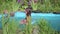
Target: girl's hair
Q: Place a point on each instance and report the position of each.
(12, 14)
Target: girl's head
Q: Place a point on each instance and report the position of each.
(28, 11)
(5, 12)
(12, 14)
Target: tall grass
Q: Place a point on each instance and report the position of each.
(11, 26)
(28, 26)
(47, 6)
(8, 27)
(44, 27)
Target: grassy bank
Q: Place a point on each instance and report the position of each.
(43, 5)
(41, 26)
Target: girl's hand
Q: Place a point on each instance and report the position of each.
(23, 22)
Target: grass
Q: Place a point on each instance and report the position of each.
(13, 5)
(42, 27)
(11, 27)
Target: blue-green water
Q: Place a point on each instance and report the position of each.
(53, 19)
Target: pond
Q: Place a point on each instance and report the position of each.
(53, 19)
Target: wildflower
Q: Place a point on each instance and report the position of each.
(19, 1)
(35, 1)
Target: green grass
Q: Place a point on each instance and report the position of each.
(42, 26)
(11, 27)
(47, 6)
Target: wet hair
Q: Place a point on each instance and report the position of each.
(29, 11)
(29, 7)
(12, 14)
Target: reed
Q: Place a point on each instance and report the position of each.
(11, 26)
(44, 27)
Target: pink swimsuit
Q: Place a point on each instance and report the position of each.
(23, 22)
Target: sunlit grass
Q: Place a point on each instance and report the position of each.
(47, 5)
(11, 27)
(41, 26)
(44, 27)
